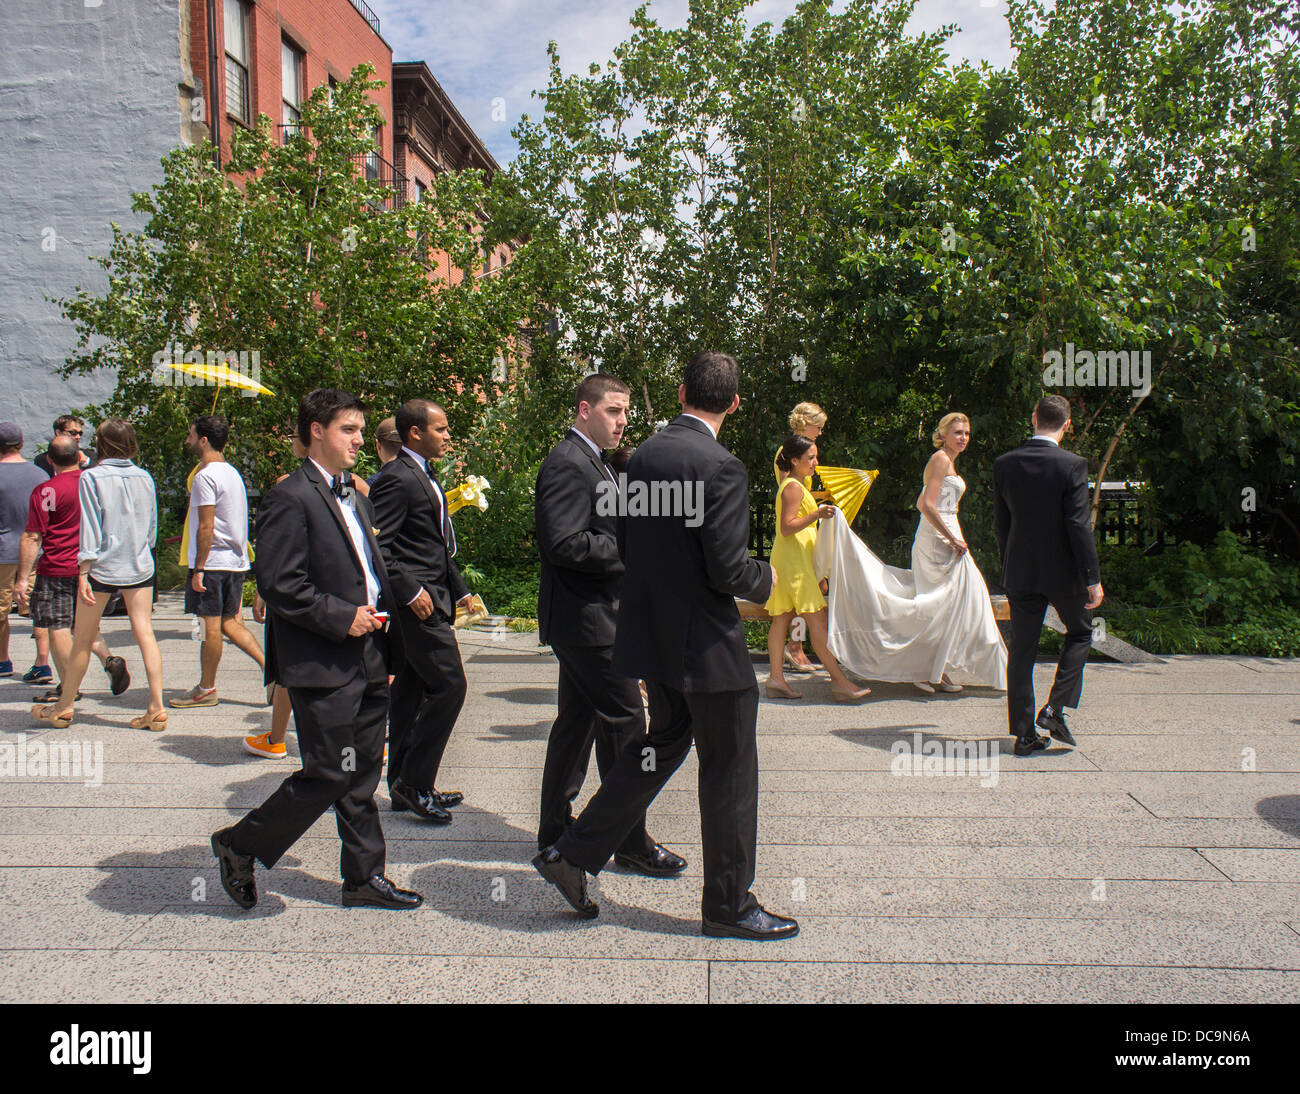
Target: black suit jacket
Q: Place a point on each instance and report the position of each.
(312, 581)
(1040, 494)
(409, 515)
(677, 620)
(577, 537)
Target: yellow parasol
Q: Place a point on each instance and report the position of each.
(847, 487)
(218, 376)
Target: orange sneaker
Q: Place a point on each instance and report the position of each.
(261, 746)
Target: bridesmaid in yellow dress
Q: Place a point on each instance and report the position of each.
(797, 590)
(806, 420)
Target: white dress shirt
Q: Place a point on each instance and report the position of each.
(359, 543)
(1049, 440)
(712, 432)
(596, 449)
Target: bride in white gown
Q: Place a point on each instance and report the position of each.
(915, 626)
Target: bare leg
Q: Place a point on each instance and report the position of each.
(234, 629)
(817, 633)
(775, 646)
(139, 608)
(42, 636)
(61, 649)
(280, 711)
(210, 652)
(85, 628)
(100, 649)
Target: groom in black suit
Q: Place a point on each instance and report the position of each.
(419, 546)
(577, 538)
(1048, 557)
(684, 542)
(323, 579)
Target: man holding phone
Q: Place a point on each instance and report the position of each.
(320, 571)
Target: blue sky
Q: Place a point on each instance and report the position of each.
(481, 50)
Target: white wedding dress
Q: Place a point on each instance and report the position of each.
(910, 625)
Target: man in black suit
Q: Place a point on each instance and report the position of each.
(1048, 557)
(320, 572)
(577, 537)
(684, 542)
(419, 545)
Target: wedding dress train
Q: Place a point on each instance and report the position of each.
(885, 623)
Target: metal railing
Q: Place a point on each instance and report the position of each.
(369, 16)
(369, 165)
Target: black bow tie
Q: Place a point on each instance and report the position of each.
(604, 456)
(341, 487)
(431, 466)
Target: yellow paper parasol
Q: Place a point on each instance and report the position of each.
(847, 487)
(217, 375)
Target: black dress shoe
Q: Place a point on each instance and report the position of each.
(760, 925)
(657, 862)
(379, 892)
(236, 870)
(448, 799)
(420, 802)
(1054, 722)
(118, 678)
(1026, 745)
(569, 879)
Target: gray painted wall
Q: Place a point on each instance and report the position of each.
(88, 107)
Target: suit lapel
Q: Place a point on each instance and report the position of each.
(423, 476)
(575, 438)
(314, 477)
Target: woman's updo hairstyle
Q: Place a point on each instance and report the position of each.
(945, 424)
(806, 414)
(795, 448)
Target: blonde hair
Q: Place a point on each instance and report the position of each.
(806, 414)
(945, 424)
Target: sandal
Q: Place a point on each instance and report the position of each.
(850, 696)
(54, 695)
(48, 715)
(797, 666)
(155, 723)
(775, 691)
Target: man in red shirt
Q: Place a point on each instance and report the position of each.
(54, 531)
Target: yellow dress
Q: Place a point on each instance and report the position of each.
(797, 588)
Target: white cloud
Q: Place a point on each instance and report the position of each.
(481, 50)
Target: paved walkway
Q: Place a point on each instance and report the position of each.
(1146, 865)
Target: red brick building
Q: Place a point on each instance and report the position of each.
(265, 57)
(430, 137)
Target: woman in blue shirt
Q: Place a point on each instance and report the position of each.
(119, 528)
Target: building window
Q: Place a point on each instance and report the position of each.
(238, 86)
(291, 68)
(372, 157)
(421, 240)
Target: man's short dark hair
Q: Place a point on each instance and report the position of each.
(712, 380)
(412, 414)
(596, 386)
(64, 420)
(215, 428)
(323, 405)
(1052, 412)
(64, 452)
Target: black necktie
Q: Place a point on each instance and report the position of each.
(341, 487)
